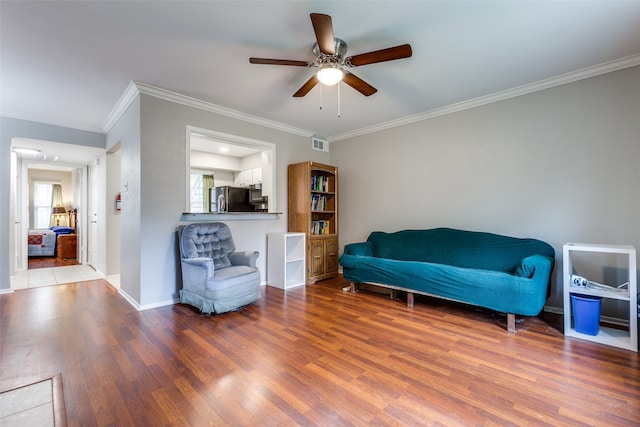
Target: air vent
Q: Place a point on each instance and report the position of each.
(319, 144)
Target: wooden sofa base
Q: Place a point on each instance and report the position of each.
(511, 318)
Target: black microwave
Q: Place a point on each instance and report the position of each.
(230, 199)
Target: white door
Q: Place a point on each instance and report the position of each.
(92, 209)
(19, 206)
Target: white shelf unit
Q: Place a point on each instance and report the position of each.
(627, 339)
(286, 260)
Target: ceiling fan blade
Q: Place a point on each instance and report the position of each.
(310, 84)
(280, 62)
(388, 54)
(324, 33)
(358, 84)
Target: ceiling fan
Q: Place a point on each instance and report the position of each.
(331, 61)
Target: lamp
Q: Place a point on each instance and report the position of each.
(57, 212)
(330, 74)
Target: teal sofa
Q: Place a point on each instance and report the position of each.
(501, 273)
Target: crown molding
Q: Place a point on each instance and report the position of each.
(48, 121)
(585, 73)
(121, 106)
(136, 88)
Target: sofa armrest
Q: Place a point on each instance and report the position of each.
(534, 267)
(247, 258)
(359, 249)
(354, 252)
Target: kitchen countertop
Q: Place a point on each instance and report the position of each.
(228, 216)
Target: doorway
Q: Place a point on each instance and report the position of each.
(63, 162)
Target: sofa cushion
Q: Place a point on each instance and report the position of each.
(461, 248)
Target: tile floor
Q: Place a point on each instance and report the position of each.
(38, 277)
(31, 405)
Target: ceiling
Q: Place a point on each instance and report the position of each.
(69, 63)
(55, 155)
(207, 144)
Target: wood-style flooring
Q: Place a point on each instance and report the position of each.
(50, 261)
(310, 356)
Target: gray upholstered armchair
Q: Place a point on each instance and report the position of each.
(215, 278)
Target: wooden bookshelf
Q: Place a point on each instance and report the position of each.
(313, 210)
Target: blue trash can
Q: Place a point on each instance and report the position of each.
(586, 313)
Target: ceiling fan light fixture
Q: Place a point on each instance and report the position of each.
(330, 74)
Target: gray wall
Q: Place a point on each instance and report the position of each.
(126, 133)
(112, 216)
(12, 128)
(154, 167)
(560, 165)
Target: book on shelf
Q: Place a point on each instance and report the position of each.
(319, 227)
(319, 183)
(318, 202)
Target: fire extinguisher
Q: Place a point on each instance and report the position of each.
(118, 202)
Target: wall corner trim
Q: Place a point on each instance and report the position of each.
(121, 106)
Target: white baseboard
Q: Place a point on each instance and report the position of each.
(159, 304)
(129, 299)
(6, 291)
(143, 307)
(553, 310)
(114, 280)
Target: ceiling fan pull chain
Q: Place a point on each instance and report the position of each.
(321, 96)
(338, 99)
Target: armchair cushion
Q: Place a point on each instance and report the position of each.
(209, 240)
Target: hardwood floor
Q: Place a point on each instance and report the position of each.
(50, 261)
(310, 356)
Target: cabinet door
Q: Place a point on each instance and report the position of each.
(316, 257)
(256, 176)
(332, 256)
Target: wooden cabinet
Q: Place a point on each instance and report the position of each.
(67, 246)
(313, 210)
(323, 254)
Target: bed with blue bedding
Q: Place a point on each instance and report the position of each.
(43, 242)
